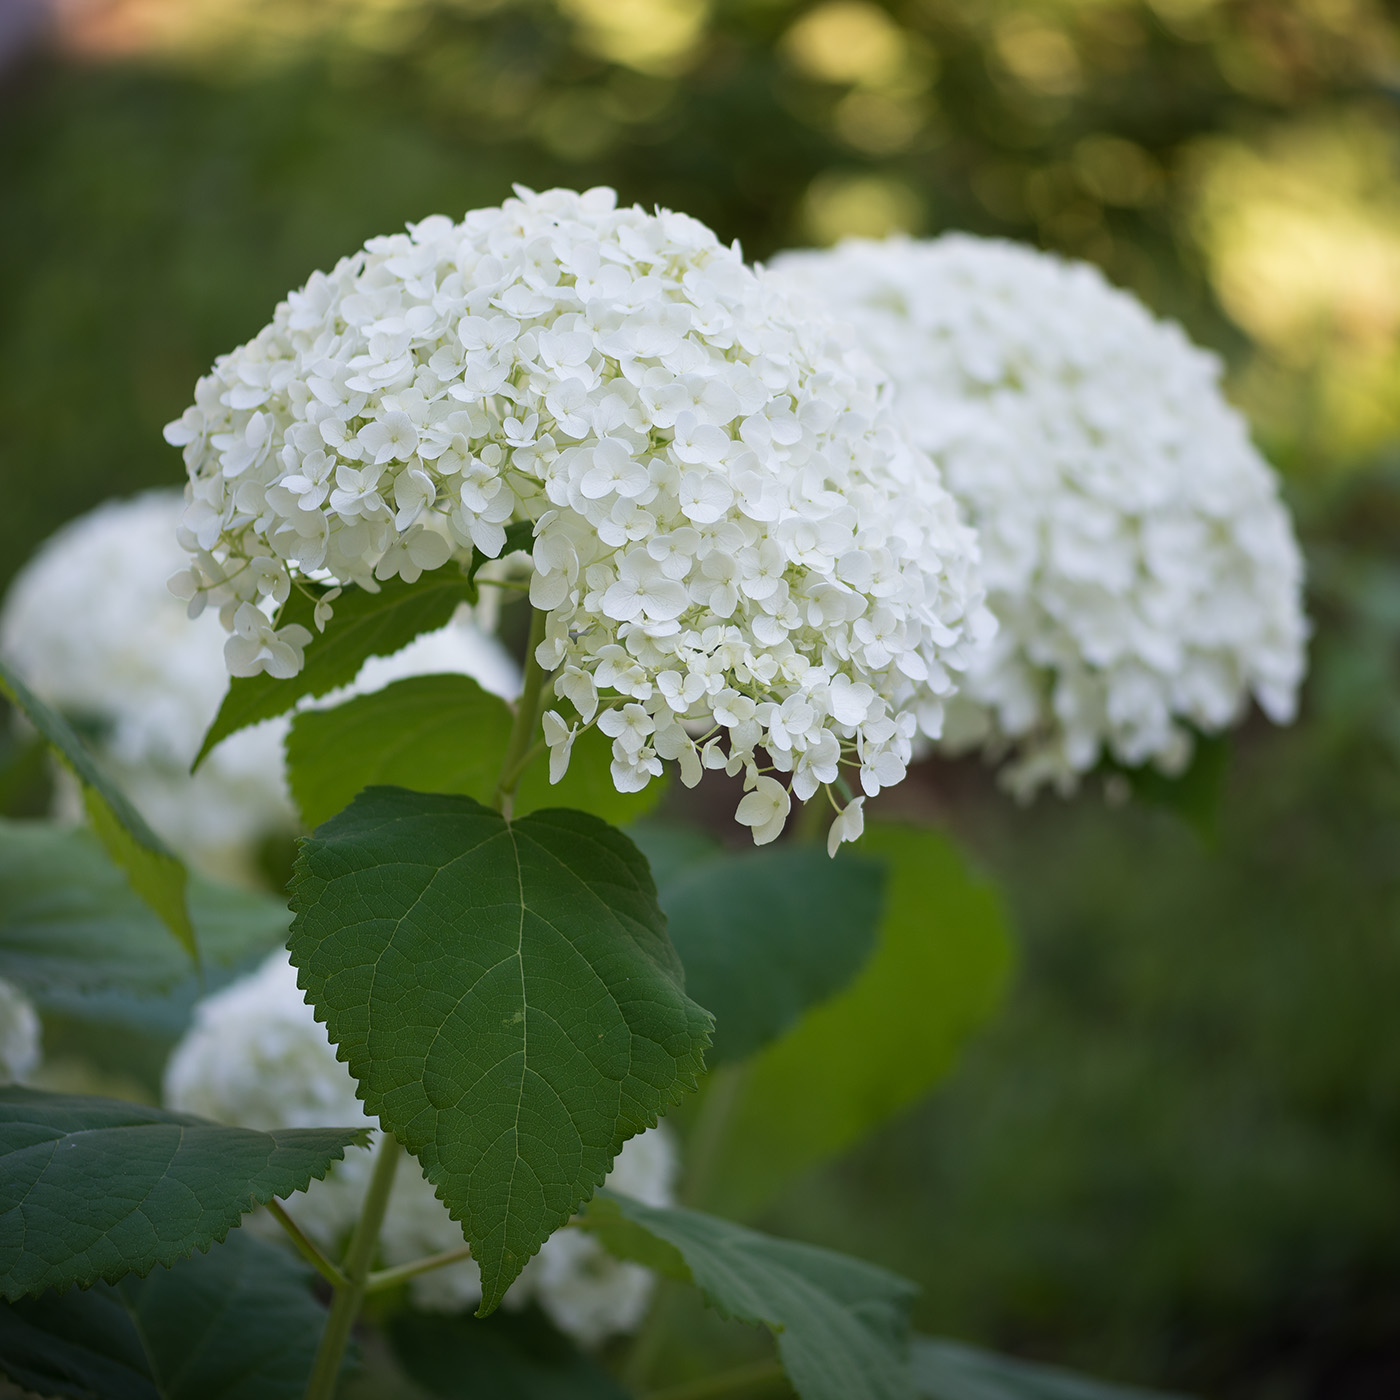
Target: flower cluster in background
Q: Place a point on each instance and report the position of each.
(256, 1057)
(736, 547)
(20, 1035)
(92, 626)
(1140, 565)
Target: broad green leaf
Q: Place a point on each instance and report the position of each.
(365, 624)
(506, 995)
(70, 925)
(841, 1324)
(440, 734)
(510, 1356)
(945, 1370)
(938, 971)
(96, 1188)
(763, 933)
(152, 869)
(237, 1323)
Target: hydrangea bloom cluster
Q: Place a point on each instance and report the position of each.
(1137, 557)
(256, 1057)
(727, 540)
(91, 624)
(19, 1035)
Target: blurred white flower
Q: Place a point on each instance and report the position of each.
(1137, 557)
(724, 509)
(256, 1057)
(20, 1043)
(92, 626)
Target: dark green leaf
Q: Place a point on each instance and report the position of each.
(237, 1323)
(69, 924)
(937, 973)
(946, 1370)
(506, 995)
(151, 867)
(96, 1188)
(510, 1356)
(365, 624)
(440, 734)
(763, 933)
(841, 1324)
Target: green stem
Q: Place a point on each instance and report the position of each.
(306, 1247)
(762, 1373)
(387, 1278)
(528, 710)
(345, 1306)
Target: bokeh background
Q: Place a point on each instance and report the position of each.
(1174, 1158)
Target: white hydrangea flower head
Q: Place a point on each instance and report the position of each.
(20, 1035)
(91, 624)
(1136, 554)
(728, 544)
(255, 1056)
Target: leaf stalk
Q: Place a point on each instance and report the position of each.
(387, 1278)
(306, 1247)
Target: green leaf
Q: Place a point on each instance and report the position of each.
(841, 1324)
(237, 1323)
(440, 734)
(763, 933)
(506, 995)
(938, 972)
(946, 1370)
(511, 1356)
(365, 624)
(96, 1188)
(152, 869)
(69, 924)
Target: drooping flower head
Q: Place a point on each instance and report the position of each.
(92, 626)
(256, 1057)
(1136, 555)
(726, 538)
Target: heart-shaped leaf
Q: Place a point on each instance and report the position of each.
(506, 995)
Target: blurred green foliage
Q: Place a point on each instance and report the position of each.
(1175, 1158)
